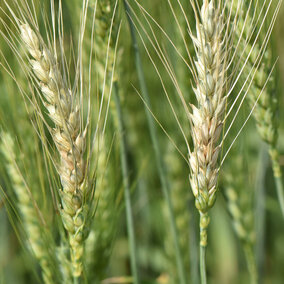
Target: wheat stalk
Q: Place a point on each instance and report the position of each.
(154, 138)
(69, 140)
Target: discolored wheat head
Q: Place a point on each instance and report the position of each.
(68, 137)
(207, 116)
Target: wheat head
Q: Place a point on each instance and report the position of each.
(68, 137)
(207, 116)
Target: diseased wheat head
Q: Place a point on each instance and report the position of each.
(207, 116)
(69, 139)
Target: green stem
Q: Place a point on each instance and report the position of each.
(154, 139)
(126, 184)
(193, 244)
(76, 280)
(202, 265)
(251, 263)
(279, 189)
(274, 156)
(260, 214)
(204, 222)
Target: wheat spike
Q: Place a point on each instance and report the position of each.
(240, 201)
(35, 231)
(263, 90)
(68, 138)
(207, 117)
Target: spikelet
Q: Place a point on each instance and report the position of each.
(207, 116)
(69, 140)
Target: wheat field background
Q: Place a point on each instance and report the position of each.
(141, 141)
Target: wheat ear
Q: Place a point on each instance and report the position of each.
(181, 198)
(263, 85)
(240, 206)
(68, 138)
(265, 115)
(207, 116)
(105, 45)
(101, 235)
(36, 234)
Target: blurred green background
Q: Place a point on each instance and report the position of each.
(247, 168)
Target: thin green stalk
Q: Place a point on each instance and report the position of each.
(274, 156)
(260, 210)
(125, 173)
(154, 139)
(251, 263)
(202, 265)
(193, 245)
(203, 225)
(279, 189)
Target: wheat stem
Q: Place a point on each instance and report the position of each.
(260, 214)
(274, 157)
(154, 139)
(204, 222)
(126, 184)
(280, 194)
(193, 245)
(202, 265)
(251, 263)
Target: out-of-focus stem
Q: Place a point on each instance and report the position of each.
(154, 138)
(260, 209)
(274, 156)
(126, 184)
(251, 263)
(202, 265)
